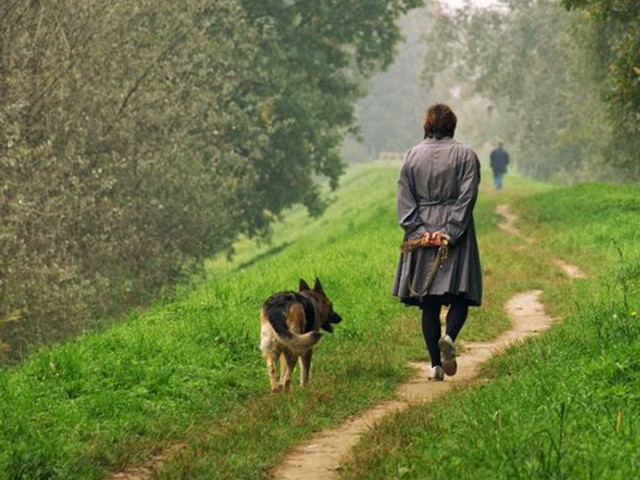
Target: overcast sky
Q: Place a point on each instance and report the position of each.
(478, 3)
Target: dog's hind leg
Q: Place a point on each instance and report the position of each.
(287, 364)
(273, 372)
(305, 366)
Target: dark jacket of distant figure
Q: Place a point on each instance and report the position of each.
(437, 190)
(499, 160)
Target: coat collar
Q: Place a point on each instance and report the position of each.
(442, 140)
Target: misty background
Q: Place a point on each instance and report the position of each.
(557, 82)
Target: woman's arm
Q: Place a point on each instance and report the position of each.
(460, 211)
(408, 213)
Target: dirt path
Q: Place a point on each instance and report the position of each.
(508, 224)
(320, 458)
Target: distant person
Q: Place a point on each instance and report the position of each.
(439, 264)
(499, 161)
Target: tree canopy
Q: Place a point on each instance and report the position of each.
(138, 138)
(610, 38)
(560, 96)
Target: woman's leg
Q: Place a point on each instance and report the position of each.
(431, 329)
(456, 317)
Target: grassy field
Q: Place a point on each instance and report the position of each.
(565, 405)
(190, 372)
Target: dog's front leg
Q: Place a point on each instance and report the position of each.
(305, 367)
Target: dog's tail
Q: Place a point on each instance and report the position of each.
(292, 340)
(300, 342)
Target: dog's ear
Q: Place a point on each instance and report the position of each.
(317, 287)
(303, 285)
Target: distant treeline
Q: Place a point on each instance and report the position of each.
(563, 79)
(138, 138)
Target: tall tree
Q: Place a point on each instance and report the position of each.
(137, 138)
(314, 56)
(526, 59)
(118, 157)
(610, 38)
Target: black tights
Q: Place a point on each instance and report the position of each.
(431, 328)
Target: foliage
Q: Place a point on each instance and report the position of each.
(313, 58)
(137, 139)
(116, 165)
(618, 22)
(612, 46)
(531, 61)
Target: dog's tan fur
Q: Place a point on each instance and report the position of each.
(290, 328)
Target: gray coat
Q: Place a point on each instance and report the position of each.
(437, 190)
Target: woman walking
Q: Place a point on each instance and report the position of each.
(440, 264)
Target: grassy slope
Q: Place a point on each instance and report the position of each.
(565, 405)
(188, 370)
(191, 371)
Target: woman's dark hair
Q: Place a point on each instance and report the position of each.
(439, 122)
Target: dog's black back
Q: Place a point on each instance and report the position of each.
(290, 328)
(276, 306)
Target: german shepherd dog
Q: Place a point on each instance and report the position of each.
(291, 323)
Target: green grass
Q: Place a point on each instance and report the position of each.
(191, 371)
(187, 371)
(565, 405)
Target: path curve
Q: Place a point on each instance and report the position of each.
(320, 457)
(508, 225)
